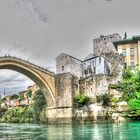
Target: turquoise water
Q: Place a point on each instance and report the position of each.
(102, 131)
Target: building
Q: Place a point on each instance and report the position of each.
(66, 63)
(130, 49)
(20, 99)
(33, 89)
(104, 44)
(93, 65)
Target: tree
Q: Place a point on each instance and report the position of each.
(129, 87)
(14, 96)
(38, 105)
(81, 100)
(29, 93)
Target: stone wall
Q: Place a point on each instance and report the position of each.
(92, 112)
(104, 44)
(98, 84)
(66, 87)
(117, 63)
(66, 63)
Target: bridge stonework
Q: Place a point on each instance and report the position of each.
(59, 90)
(66, 88)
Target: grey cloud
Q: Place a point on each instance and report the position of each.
(30, 7)
(13, 82)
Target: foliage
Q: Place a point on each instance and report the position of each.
(27, 114)
(81, 100)
(129, 87)
(42, 116)
(105, 99)
(29, 93)
(38, 105)
(14, 96)
(17, 115)
(134, 104)
(115, 100)
(21, 97)
(127, 73)
(2, 111)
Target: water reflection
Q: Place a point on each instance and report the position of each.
(104, 131)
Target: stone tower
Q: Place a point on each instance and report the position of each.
(104, 44)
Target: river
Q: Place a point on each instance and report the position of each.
(91, 131)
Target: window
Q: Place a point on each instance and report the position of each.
(62, 68)
(124, 52)
(90, 70)
(99, 59)
(94, 70)
(132, 65)
(131, 51)
(85, 72)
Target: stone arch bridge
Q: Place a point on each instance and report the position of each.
(54, 87)
(44, 78)
(58, 89)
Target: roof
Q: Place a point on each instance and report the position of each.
(115, 34)
(90, 56)
(69, 56)
(134, 39)
(93, 56)
(22, 92)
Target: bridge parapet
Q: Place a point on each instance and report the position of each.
(26, 62)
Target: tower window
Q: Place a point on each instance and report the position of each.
(62, 68)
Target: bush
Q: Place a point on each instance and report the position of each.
(105, 99)
(134, 104)
(2, 111)
(42, 116)
(81, 100)
(115, 100)
(127, 73)
(18, 115)
(38, 105)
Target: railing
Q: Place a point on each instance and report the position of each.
(25, 62)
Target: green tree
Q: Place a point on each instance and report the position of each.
(127, 73)
(129, 87)
(81, 100)
(14, 96)
(29, 93)
(105, 99)
(38, 105)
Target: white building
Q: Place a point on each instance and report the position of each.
(93, 65)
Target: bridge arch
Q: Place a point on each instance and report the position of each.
(45, 79)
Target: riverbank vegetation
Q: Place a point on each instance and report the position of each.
(25, 114)
(129, 88)
(81, 100)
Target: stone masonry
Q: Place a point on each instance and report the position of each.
(104, 44)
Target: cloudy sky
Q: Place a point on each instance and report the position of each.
(39, 30)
